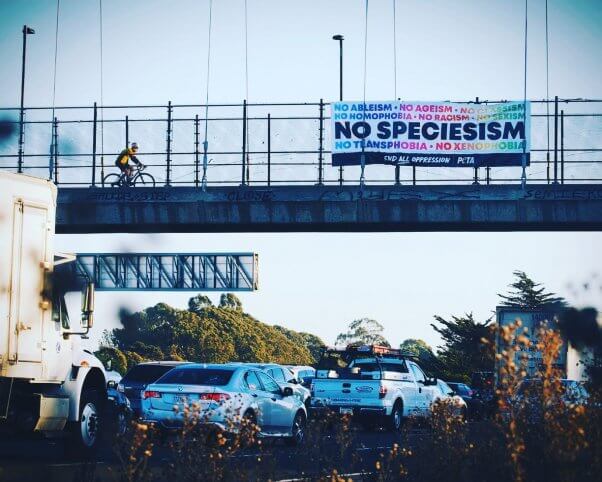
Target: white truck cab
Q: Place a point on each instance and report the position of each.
(48, 383)
(371, 383)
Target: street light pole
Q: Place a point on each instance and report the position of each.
(340, 39)
(26, 30)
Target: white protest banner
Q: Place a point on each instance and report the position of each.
(430, 133)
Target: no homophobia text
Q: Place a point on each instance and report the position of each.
(438, 134)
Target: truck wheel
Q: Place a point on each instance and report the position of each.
(395, 421)
(86, 432)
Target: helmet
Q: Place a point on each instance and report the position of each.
(134, 145)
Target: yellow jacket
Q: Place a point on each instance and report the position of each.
(125, 155)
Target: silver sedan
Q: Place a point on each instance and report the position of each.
(223, 395)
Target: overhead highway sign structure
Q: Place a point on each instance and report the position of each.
(169, 271)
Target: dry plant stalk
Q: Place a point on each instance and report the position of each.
(564, 423)
(204, 452)
(510, 374)
(327, 443)
(544, 432)
(136, 453)
(390, 466)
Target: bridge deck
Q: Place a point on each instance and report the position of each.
(335, 209)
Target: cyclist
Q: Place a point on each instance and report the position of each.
(122, 161)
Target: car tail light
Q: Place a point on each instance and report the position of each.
(150, 394)
(214, 397)
(382, 391)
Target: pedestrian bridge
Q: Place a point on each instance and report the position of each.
(545, 207)
(268, 168)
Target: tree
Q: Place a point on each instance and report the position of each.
(415, 347)
(211, 334)
(528, 295)
(424, 354)
(198, 303)
(313, 343)
(230, 301)
(363, 330)
(463, 352)
(133, 358)
(115, 356)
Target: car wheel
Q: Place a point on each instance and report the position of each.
(122, 423)
(395, 422)
(250, 418)
(298, 430)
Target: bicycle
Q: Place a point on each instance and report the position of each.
(138, 178)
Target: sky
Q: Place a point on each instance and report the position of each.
(155, 51)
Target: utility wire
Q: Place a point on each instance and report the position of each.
(205, 142)
(53, 146)
(395, 49)
(247, 86)
(102, 124)
(363, 156)
(246, 54)
(524, 156)
(547, 96)
(56, 44)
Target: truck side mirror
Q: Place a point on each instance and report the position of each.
(88, 305)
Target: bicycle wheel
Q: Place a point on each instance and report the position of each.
(111, 180)
(144, 180)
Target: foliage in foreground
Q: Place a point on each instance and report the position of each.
(535, 436)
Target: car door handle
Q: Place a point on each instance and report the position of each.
(419, 389)
(254, 395)
(273, 399)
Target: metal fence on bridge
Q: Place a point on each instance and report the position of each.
(268, 144)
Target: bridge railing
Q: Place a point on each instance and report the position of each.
(267, 144)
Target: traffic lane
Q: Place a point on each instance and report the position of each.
(47, 459)
(19, 450)
(37, 458)
(365, 448)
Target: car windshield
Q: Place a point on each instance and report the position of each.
(197, 376)
(460, 388)
(333, 361)
(386, 367)
(146, 373)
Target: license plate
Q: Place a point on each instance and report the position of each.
(179, 399)
(346, 411)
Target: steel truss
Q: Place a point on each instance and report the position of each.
(169, 271)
